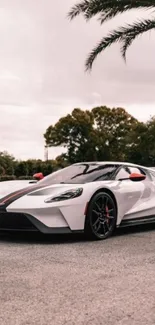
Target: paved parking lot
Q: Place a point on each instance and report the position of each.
(67, 280)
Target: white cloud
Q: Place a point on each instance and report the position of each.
(42, 72)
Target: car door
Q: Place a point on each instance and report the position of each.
(145, 206)
(138, 195)
(133, 195)
(129, 191)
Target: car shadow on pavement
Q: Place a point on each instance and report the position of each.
(38, 238)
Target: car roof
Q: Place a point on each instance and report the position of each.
(121, 163)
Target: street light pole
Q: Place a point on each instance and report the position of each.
(46, 153)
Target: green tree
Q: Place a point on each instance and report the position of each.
(47, 167)
(108, 9)
(137, 145)
(2, 171)
(150, 141)
(37, 165)
(21, 169)
(113, 128)
(75, 132)
(7, 162)
(61, 161)
(31, 164)
(142, 150)
(100, 134)
(34, 166)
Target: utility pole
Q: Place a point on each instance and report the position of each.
(46, 153)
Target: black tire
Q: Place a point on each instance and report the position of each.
(101, 216)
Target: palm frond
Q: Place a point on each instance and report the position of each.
(136, 30)
(78, 9)
(107, 8)
(125, 34)
(123, 6)
(113, 37)
(124, 48)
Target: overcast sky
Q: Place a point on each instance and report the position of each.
(42, 73)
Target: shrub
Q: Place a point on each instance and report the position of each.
(7, 178)
(25, 178)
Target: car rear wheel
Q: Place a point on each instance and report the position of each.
(101, 216)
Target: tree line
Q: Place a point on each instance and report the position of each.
(101, 134)
(104, 134)
(12, 169)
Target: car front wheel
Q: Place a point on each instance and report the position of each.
(101, 216)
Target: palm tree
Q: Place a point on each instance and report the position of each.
(108, 9)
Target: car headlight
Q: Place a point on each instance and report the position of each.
(70, 194)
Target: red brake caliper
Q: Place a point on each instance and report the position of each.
(107, 213)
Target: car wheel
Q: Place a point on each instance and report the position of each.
(101, 216)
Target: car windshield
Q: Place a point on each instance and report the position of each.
(80, 174)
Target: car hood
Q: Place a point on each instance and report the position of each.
(8, 187)
(18, 191)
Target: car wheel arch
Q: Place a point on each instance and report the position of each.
(105, 190)
(87, 226)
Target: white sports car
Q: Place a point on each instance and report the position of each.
(90, 197)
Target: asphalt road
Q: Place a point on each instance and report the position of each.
(67, 280)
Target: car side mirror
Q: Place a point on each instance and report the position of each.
(38, 176)
(137, 177)
(134, 177)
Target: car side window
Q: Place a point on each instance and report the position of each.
(124, 172)
(136, 170)
(152, 175)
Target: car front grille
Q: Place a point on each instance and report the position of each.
(15, 221)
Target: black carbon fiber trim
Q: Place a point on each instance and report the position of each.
(137, 221)
(10, 221)
(15, 221)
